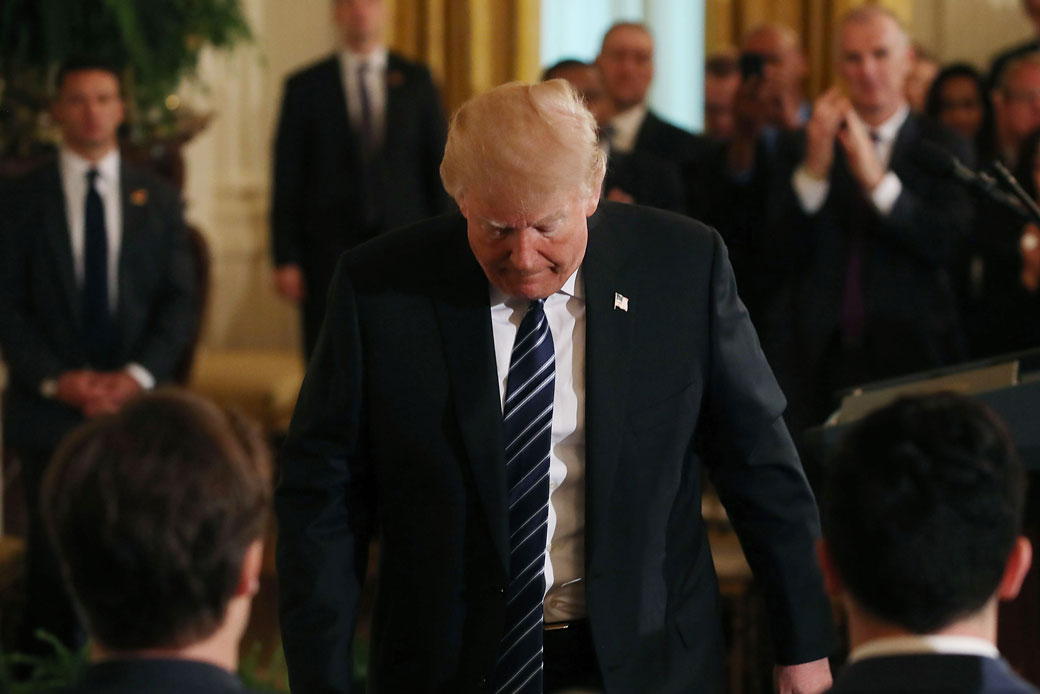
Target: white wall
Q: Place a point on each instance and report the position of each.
(969, 30)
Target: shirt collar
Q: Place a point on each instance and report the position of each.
(376, 60)
(75, 166)
(573, 287)
(927, 643)
(887, 131)
(627, 122)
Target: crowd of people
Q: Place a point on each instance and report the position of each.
(533, 312)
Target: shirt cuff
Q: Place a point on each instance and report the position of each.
(811, 191)
(886, 193)
(143, 376)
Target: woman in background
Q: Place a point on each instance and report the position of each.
(959, 100)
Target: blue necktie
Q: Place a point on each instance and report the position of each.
(527, 425)
(97, 321)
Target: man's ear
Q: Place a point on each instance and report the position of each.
(1015, 570)
(249, 574)
(831, 579)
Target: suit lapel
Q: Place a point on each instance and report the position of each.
(608, 352)
(133, 195)
(469, 348)
(56, 229)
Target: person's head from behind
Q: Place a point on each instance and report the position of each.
(921, 516)
(360, 23)
(88, 106)
(523, 163)
(874, 60)
(157, 514)
(626, 58)
(959, 100)
(1016, 101)
(721, 81)
(587, 81)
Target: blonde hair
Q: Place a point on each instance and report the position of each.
(534, 138)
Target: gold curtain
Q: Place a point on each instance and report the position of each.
(470, 45)
(814, 20)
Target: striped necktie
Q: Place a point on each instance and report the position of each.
(527, 425)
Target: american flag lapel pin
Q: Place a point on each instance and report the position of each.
(620, 302)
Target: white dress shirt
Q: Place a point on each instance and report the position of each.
(565, 537)
(917, 644)
(812, 192)
(626, 126)
(74, 170)
(375, 85)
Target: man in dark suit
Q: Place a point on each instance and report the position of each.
(626, 60)
(97, 299)
(359, 139)
(633, 177)
(518, 402)
(922, 538)
(158, 514)
(865, 235)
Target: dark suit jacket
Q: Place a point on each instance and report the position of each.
(650, 180)
(398, 433)
(40, 301)
(157, 676)
(671, 143)
(924, 673)
(318, 204)
(909, 302)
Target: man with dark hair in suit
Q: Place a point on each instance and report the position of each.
(519, 402)
(865, 234)
(922, 519)
(158, 513)
(98, 301)
(626, 60)
(634, 177)
(721, 80)
(359, 139)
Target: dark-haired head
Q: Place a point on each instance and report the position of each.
(960, 100)
(922, 509)
(84, 63)
(153, 511)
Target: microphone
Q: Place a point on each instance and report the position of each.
(938, 162)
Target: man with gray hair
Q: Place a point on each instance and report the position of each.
(519, 400)
(865, 233)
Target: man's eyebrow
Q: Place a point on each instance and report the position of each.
(554, 217)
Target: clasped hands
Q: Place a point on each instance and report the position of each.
(833, 117)
(96, 392)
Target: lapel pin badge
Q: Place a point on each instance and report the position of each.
(139, 196)
(620, 302)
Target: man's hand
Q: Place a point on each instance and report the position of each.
(618, 195)
(115, 388)
(1030, 248)
(805, 678)
(859, 148)
(828, 115)
(289, 282)
(79, 387)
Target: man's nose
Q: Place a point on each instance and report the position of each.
(524, 251)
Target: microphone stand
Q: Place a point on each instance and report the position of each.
(1012, 184)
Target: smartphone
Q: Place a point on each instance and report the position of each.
(751, 65)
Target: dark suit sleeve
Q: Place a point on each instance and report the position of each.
(325, 506)
(759, 479)
(29, 357)
(287, 186)
(173, 313)
(434, 138)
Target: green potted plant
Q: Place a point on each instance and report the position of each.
(156, 44)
